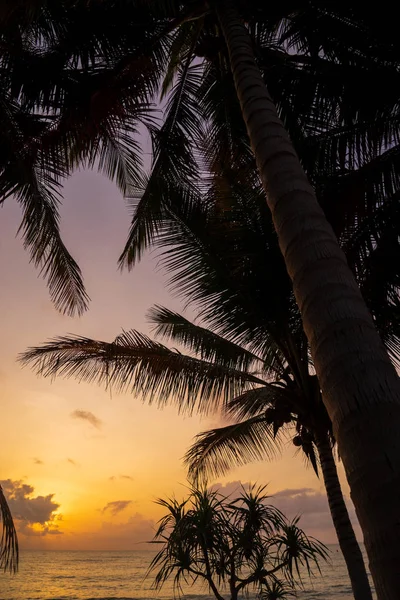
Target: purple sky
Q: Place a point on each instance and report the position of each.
(77, 461)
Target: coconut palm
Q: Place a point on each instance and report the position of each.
(64, 105)
(281, 164)
(56, 86)
(216, 249)
(232, 545)
(360, 386)
(223, 373)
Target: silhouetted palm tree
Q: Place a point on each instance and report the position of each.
(305, 239)
(74, 90)
(360, 386)
(216, 249)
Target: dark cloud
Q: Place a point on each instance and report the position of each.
(293, 492)
(309, 504)
(313, 508)
(232, 488)
(126, 477)
(72, 462)
(88, 416)
(116, 506)
(37, 461)
(29, 510)
(26, 529)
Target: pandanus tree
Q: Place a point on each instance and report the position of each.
(254, 358)
(233, 545)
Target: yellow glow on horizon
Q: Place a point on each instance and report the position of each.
(135, 453)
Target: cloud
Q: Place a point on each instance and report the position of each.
(310, 504)
(303, 501)
(37, 461)
(72, 462)
(116, 506)
(112, 478)
(133, 534)
(126, 477)
(27, 530)
(293, 492)
(36, 515)
(88, 416)
(232, 488)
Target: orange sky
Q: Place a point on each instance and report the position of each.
(82, 468)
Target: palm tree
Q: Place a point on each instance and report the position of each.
(60, 67)
(222, 374)
(319, 316)
(56, 85)
(232, 545)
(216, 249)
(360, 387)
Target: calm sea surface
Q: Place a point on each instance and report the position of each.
(120, 575)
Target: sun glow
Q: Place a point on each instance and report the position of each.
(71, 450)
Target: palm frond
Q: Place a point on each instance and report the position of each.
(350, 196)
(226, 144)
(213, 265)
(9, 554)
(134, 363)
(181, 49)
(98, 124)
(174, 168)
(322, 108)
(216, 451)
(37, 192)
(117, 154)
(206, 344)
(373, 251)
(254, 402)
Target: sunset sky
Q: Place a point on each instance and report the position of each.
(81, 467)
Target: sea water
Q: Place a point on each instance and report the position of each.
(121, 575)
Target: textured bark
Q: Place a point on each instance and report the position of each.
(360, 387)
(341, 521)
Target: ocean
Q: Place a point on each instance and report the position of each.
(120, 576)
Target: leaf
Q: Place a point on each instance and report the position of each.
(9, 554)
(136, 364)
(216, 451)
(174, 167)
(37, 191)
(203, 342)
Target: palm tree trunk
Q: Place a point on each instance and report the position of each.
(341, 521)
(360, 387)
